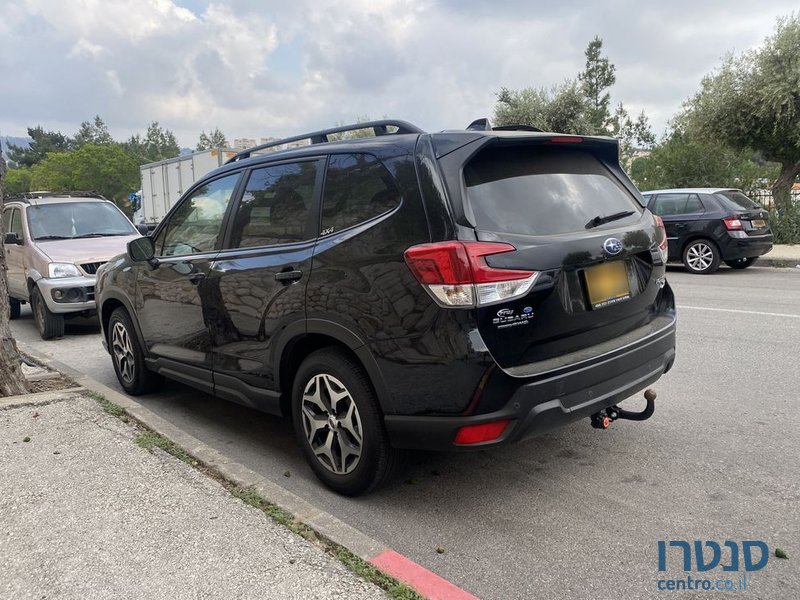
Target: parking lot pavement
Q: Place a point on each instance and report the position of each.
(579, 512)
(86, 513)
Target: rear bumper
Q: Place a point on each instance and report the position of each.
(545, 404)
(746, 247)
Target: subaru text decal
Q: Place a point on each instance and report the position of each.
(508, 317)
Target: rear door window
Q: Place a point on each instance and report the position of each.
(357, 188)
(275, 206)
(538, 191)
(666, 205)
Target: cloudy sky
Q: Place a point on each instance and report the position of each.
(257, 68)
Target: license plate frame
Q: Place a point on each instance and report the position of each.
(607, 284)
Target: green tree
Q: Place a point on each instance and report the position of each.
(683, 161)
(633, 134)
(215, 139)
(753, 102)
(157, 144)
(596, 79)
(42, 143)
(562, 108)
(108, 170)
(93, 132)
(18, 180)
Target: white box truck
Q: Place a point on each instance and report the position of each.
(163, 182)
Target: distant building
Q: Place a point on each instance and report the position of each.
(243, 143)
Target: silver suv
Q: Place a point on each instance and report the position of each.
(54, 245)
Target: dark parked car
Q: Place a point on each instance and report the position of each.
(436, 291)
(706, 226)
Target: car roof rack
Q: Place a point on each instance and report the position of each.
(320, 137)
(39, 194)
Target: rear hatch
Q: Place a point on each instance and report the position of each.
(574, 218)
(754, 219)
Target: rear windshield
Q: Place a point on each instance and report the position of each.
(543, 191)
(735, 200)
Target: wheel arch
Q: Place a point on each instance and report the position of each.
(111, 302)
(321, 334)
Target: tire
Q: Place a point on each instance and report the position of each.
(127, 356)
(328, 375)
(701, 257)
(15, 308)
(50, 325)
(741, 263)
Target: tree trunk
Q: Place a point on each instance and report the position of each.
(12, 381)
(782, 187)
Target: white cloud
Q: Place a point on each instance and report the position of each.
(254, 68)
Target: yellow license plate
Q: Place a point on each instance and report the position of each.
(607, 284)
(759, 224)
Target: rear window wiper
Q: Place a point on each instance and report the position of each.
(598, 220)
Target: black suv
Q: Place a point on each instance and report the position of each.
(706, 226)
(408, 290)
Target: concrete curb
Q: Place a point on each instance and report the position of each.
(779, 263)
(425, 582)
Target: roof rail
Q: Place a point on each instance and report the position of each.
(320, 137)
(61, 194)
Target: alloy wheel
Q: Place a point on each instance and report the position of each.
(700, 256)
(123, 351)
(332, 424)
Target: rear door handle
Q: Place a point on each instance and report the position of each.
(288, 276)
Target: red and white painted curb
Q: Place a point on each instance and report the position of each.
(425, 582)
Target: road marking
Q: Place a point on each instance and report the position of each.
(742, 312)
(426, 583)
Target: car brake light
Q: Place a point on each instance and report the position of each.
(455, 273)
(732, 224)
(485, 432)
(566, 139)
(663, 245)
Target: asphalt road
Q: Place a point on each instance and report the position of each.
(577, 513)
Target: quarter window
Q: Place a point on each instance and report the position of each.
(275, 206)
(357, 188)
(196, 224)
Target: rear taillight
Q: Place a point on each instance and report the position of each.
(455, 273)
(732, 224)
(663, 246)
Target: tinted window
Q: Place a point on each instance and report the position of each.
(735, 200)
(676, 204)
(275, 206)
(12, 224)
(693, 205)
(65, 220)
(540, 192)
(357, 187)
(195, 225)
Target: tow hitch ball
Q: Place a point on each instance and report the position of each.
(604, 418)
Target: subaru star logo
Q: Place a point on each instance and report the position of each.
(612, 246)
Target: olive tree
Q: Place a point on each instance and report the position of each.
(753, 102)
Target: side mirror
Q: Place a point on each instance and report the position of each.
(13, 238)
(142, 249)
(143, 228)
